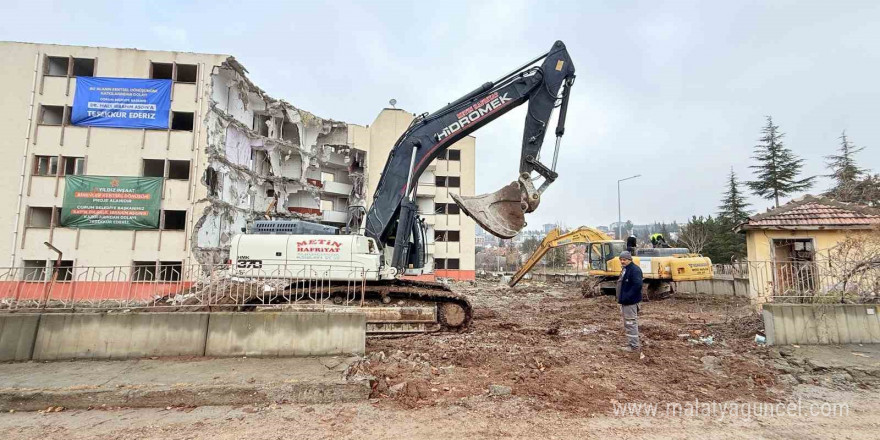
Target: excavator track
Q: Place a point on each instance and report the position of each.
(391, 307)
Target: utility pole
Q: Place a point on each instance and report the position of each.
(618, 203)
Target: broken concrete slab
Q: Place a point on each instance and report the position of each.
(177, 382)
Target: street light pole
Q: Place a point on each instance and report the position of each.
(618, 203)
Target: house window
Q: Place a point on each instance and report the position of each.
(83, 67)
(51, 114)
(34, 270)
(73, 166)
(45, 165)
(170, 270)
(56, 66)
(174, 220)
(143, 271)
(40, 216)
(63, 270)
(178, 169)
(153, 168)
(182, 121)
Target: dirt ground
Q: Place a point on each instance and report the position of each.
(562, 351)
(552, 363)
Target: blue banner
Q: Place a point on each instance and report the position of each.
(121, 102)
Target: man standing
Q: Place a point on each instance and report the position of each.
(629, 295)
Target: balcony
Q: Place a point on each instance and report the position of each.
(334, 217)
(342, 189)
(425, 190)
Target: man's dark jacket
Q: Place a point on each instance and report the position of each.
(631, 285)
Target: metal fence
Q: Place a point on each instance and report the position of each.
(178, 286)
(820, 281)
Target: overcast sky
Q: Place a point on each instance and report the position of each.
(674, 91)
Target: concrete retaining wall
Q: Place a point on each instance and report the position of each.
(821, 323)
(717, 286)
(53, 336)
(285, 334)
(120, 336)
(17, 335)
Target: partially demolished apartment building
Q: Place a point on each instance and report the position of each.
(230, 155)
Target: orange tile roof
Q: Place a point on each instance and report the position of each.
(811, 212)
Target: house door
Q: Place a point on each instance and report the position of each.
(794, 262)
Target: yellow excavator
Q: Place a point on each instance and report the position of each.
(659, 266)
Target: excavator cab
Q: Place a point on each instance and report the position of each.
(603, 256)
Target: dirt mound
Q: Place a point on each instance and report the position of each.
(562, 351)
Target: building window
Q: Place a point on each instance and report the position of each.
(56, 66)
(42, 216)
(153, 168)
(439, 263)
(326, 205)
(45, 165)
(73, 166)
(63, 270)
(174, 220)
(187, 73)
(170, 270)
(178, 169)
(60, 66)
(448, 181)
(446, 236)
(182, 121)
(51, 114)
(450, 155)
(260, 124)
(452, 263)
(83, 67)
(446, 208)
(327, 177)
(34, 270)
(143, 271)
(161, 70)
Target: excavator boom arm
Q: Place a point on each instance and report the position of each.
(554, 239)
(392, 217)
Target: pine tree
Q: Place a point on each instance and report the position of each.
(846, 174)
(734, 207)
(778, 168)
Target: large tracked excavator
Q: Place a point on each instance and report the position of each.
(393, 242)
(660, 266)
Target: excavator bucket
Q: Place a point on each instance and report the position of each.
(501, 213)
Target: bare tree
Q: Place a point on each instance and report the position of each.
(695, 234)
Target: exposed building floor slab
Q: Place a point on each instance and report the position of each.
(177, 382)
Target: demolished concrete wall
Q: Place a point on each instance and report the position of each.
(267, 159)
